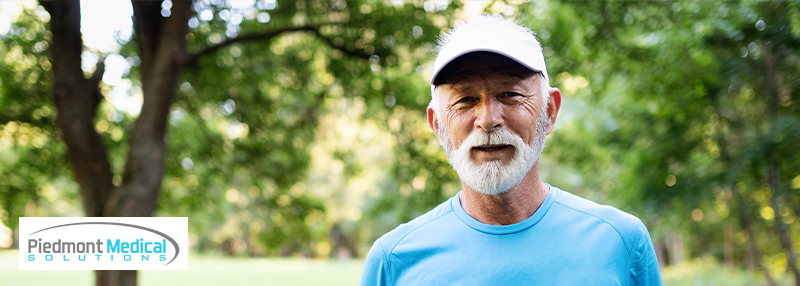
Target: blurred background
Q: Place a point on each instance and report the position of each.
(296, 132)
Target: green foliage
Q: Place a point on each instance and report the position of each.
(30, 148)
(273, 142)
(245, 115)
(664, 86)
(243, 119)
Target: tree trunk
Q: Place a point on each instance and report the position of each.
(343, 246)
(744, 214)
(662, 260)
(76, 100)
(744, 217)
(750, 259)
(14, 238)
(162, 45)
(747, 224)
(675, 247)
(727, 233)
(773, 173)
(162, 49)
(115, 277)
(163, 54)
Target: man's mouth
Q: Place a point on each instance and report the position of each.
(490, 148)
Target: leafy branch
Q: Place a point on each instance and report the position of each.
(269, 35)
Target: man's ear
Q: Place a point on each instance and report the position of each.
(553, 106)
(433, 123)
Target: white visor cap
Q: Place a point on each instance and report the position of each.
(511, 42)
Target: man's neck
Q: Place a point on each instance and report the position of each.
(509, 207)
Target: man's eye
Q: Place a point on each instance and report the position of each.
(509, 94)
(466, 100)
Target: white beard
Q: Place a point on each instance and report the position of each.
(494, 177)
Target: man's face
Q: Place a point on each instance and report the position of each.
(492, 123)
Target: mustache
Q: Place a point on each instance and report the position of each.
(502, 136)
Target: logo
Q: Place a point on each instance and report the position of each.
(103, 243)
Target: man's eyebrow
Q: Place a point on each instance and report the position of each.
(461, 88)
(510, 83)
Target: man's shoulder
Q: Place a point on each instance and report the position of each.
(389, 240)
(634, 234)
(627, 225)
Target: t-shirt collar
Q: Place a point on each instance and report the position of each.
(455, 201)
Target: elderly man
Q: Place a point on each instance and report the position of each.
(491, 110)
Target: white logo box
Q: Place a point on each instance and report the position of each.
(103, 243)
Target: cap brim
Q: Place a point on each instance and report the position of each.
(455, 57)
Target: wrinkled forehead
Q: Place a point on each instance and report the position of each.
(481, 65)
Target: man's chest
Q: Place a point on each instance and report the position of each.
(596, 257)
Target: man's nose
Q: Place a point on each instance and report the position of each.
(489, 115)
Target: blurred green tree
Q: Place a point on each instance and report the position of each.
(30, 147)
(686, 104)
(683, 113)
(249, 82)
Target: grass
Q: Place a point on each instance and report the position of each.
(203, 270)
(707, 272)
(215, 270)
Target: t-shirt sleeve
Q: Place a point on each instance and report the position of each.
(375, 267)
(644, 269)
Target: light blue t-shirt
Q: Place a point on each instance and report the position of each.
(567, 241)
